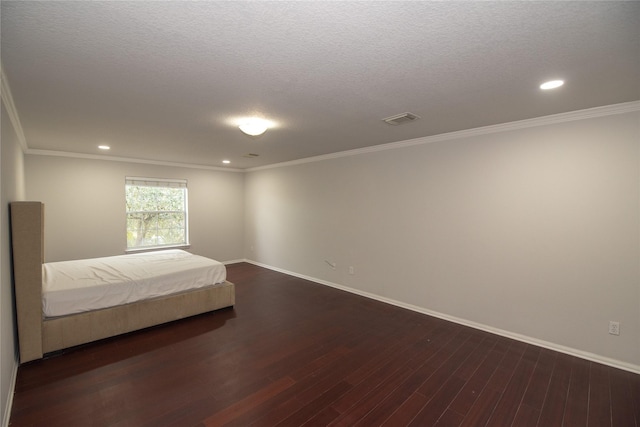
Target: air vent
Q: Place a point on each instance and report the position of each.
(251, 155)
(400, 119)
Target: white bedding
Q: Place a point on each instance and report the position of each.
(77, 286)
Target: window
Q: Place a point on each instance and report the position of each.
(156, 213)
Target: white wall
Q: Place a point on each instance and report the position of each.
(532, 231)
(85, 206)
(13, 189)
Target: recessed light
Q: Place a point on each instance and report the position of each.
(226, 162)
(104, 147)
(551, 84)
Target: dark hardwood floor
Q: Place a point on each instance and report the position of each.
(295, 353)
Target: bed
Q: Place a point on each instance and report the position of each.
(49, 319)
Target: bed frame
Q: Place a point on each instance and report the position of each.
(38, 336)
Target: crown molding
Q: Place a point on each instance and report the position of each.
(7, 100)
(609, 110)
(127, 160)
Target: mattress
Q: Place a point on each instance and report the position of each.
(71, 287)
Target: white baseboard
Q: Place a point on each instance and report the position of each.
(519, 337)
(234, 261)
(12, 388)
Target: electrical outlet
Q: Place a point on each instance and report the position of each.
(614, 327)
(351, 271)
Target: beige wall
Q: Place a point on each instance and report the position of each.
(13, 189)
(85, 206)
(532, 231)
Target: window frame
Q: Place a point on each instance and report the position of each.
(162, 183)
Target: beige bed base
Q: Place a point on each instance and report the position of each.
(38, 336)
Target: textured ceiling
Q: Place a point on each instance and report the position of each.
(161, 80)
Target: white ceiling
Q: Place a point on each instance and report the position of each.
(161, 80)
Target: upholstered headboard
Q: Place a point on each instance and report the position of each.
(27, 237)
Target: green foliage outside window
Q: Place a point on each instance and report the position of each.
(156, 216)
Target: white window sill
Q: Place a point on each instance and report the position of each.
(156, 248)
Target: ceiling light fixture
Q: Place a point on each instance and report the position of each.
(226, 162)
(552, 84)
(254, 126)
(104, 147)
